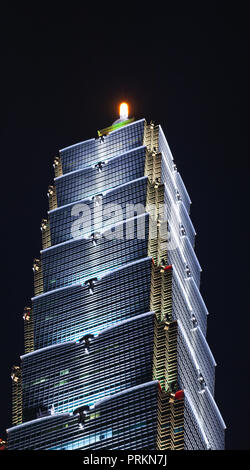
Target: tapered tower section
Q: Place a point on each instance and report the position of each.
(116, 355)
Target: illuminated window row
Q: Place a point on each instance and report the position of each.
(91, 181)
(197, 362)
(132, 417)
(179, 219)
(200, 396)
(118, 358)
(70, 313)
(82, 154)
(193, 437)
(171, 168)
(80, 260)
(186, 301)
(62, 226)
(180, 246)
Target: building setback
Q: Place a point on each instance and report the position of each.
(116, 355)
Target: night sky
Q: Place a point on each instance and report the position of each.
(63, 76)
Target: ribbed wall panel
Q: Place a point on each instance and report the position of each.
(72, 374)
(183, 191)
(86, 183)
(68, 314)
(120, 422)
(170, 176)
(192, 359)
(197, 303)
(201, 398)
(191, 259)
(95, 334)
(86, 153)
(186, 220)
(180, 254)
(62, 226)
(194, 436)
(164, 148)
(184, 305)
(203, 355)
(177, 215)
(80, 260)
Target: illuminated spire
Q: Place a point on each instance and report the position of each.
(123, 111)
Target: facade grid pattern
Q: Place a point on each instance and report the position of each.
(119, 357)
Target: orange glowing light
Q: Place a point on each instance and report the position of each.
(123, 111)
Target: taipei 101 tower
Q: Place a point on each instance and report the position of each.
(115, 350)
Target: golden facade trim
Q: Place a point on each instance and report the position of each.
(57, 164)
(38, 277)
(45, 229)
(151, 136)
(177, 422)
(163, 439)
(52, 197)
(170, 423)
(16, 376)
(28, 330)
(170, 426)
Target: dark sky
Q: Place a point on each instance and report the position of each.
(63, 76)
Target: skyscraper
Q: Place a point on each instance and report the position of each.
(116, 355)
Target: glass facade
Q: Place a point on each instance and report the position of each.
(117, 355)
(68, 314)
(78, 260)
(86, 154)
(71, 374)
(121, 421)
(62, 219)
(87, 183)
